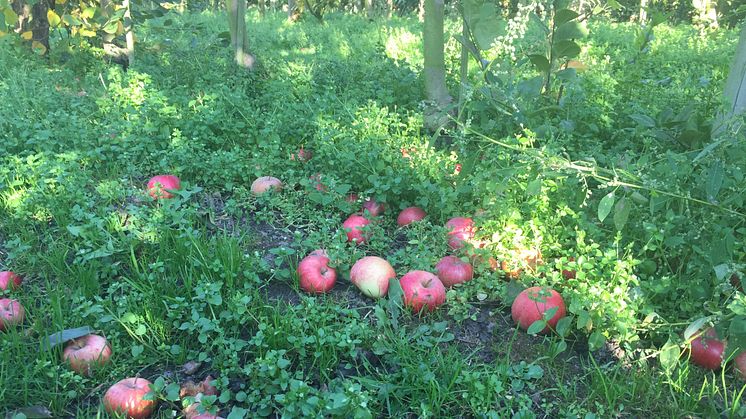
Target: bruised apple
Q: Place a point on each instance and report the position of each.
(373, 207)
(315, 275)
(707, 350)
(422, 290)
(410, 215)
(160, 187)
(452, 270)
(127, 398)
(9, 280)
(353, 226)
(460, 229)
(532, 303)
(264, 184)
(371, 275)
(11, 313)
(86, 353)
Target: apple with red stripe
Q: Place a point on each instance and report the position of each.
(314, 273)
(127, 398)
(87, 353)
(161, 186)
(423, 291)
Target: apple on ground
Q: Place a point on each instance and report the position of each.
(374, 207)
(422, 290)
(86, 353)
(521, 259)
(127, 398)
(569, 273)
(532, 303)
(264, 184)
(371, 275)
(160, 187)
(11, 313)
(9, 280)
(740, 364)
(460, 229)
(353, 226)
(314, 273)
(452, 270)
(707, 350)
(302, 155)
(410, 215)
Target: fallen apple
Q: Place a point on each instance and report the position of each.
(422, 290)
(353, 226)
(86, 353)
(531, 304)
(707, 350)
(264, 184)
(371, 275)
(569, 273)
(740, 364)
(373, 207)
(161, 186)
(11, 313)
(452, 270)
(9, 280)
(410, 215)
(127, 398)
(460, 229)
(314, 273)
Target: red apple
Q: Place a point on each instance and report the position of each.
(410, 215)
(374, 207)
(422, 290)
(532, 303)
(315, 275)
(86, 353)
(9, 280)
(318, 185)
(452, 270)
(569, 273)
(460, 229)
(371, 275)
(351, 198)
(707, 350)
(160, 187)
(302, 155)
(264, 184)
(11, 313)
(740, 364)
(127, 398)
(353, 226)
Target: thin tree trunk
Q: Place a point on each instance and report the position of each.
(291, 9)
(390, 4)
(735, 89)
(369, 9)
(643, 11)
(129, 33)
(40, 23)
(421, 13)
(434, 69)
(23, 11)
(239, 38)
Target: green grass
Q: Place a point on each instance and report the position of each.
(210, 275)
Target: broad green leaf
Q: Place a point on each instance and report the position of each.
(604, 207)
(721, 271)
(596, 340)
(564, 15)
(669, 354)
(536, 327)
(534, 187)
(136, 350)
(11, 18)
(88, 13)
(563, 326)
(540, 61)
(570, 30)
(621, 212)
(566, 49)
(714, 180)
(71, 20)
(65, 335)
(111, 27)
(237, 413)
(694, 327)
(567, 74)
(643, 120)
(53, 18)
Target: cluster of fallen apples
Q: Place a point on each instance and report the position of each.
(423, 291)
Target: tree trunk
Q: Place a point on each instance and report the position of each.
(435, 68)
(369, 9)
(239, 38)
(292, 6)
(421, 14)
(735, 89)
(643, 11)
(40, 24)
(23, 10)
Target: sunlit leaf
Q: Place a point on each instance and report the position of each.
(88, 12)
(694, 327)
(53, 18)
(27, 35)
(669, 354)
(11, 18)
(570, 30)
(604, 207)
(536, 327)
(38, 47)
